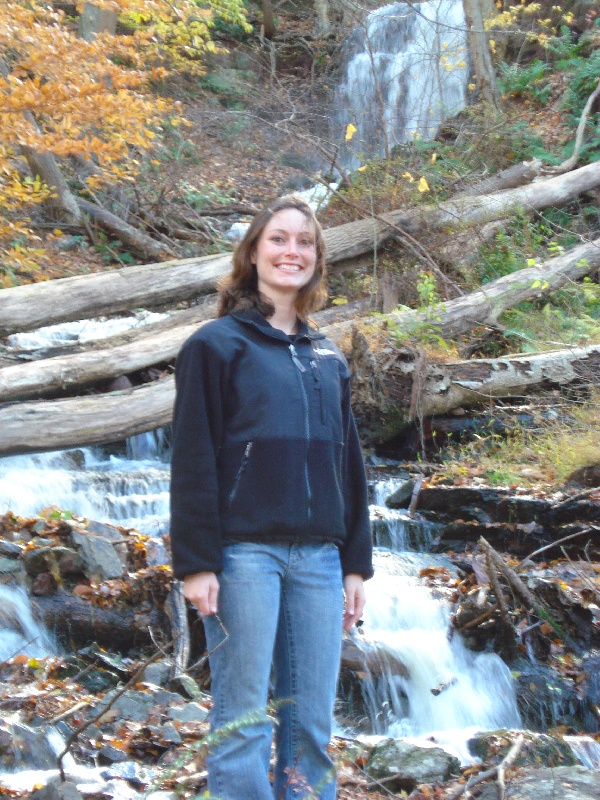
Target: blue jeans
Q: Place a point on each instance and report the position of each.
(282, 605)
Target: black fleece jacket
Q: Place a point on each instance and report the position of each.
(265, 448)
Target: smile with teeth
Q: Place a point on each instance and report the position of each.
(289, 267)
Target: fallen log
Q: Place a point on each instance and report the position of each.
(101, 419)
(75, 620)
(147, 346)
(485, 306)
(161, 341)
(27, 307)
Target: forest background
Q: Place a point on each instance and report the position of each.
(134, 133)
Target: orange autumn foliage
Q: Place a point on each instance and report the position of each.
(63, 95)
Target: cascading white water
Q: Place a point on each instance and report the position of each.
(19, 631)
(404, 72)
(118, 490)
(474, 690)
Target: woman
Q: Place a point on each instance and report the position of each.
(269, 516)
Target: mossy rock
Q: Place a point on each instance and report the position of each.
(539, 749)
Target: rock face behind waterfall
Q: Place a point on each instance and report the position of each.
(405, 72)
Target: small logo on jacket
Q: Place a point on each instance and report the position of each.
(322, 351)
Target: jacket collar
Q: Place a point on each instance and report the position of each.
(256, 320)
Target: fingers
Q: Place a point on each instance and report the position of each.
(355, 600)
(202, 590)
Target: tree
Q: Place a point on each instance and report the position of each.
(63, 97)
(476, 12)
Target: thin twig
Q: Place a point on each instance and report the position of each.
(408, 241)
(555, 543)
(131, 682)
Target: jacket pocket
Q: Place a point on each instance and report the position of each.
(240, 472)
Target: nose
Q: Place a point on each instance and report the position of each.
(292, 246)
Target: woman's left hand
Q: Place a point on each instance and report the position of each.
(354, 591)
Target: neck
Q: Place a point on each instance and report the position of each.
(285, 317)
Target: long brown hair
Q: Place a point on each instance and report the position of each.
(239, 290)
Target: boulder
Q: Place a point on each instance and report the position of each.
(404, 766)
(538, 748)
(566, 783)
(400, 497)
(100, 560)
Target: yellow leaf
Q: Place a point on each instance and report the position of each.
(423, 186)
(433, 158)
(350, 131)
(339, 301)
(409, 177)
(363, 168)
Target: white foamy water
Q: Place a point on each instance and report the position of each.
(133, 492)
(405, 73)
(20, 632)
(84, 330)
(412, 628)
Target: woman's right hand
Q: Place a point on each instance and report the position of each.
(202, 590)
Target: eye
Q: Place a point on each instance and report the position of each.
(277, 238)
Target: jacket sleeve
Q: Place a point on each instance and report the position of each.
(357, 550)
(196, 435)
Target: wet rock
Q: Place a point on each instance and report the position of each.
(591, 690)
(190, 712)
(101, 562)
(37, 560)
(119, 384)
(29, 748)
(400, 498)
(57, 790)
(131, 771)
(138, 706)
(10, 566)
(408, 765)
(566, 783)
(157, 673)
(10, 549)
(111, 755)
(538, 748)
(586, 476)
(169, 734)
(44, 584)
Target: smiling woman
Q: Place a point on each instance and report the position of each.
(269, 515)
(285, 255)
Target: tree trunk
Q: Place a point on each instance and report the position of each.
(385, 412)
(102, 419)
(27, 307)
(149, 345)
(322, 26)
(268, 19)
(481, 57)
(131, 237)
(484, 306)
(63, 202)
(76, 620)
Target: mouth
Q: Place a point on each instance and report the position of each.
(289, 267)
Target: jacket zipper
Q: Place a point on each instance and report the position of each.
(302, 369)
(317, 379)
(240, 472)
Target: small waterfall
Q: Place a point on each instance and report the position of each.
(586, 749)
(405, 72)
(20, 633)
(113, 489)
(424, 679)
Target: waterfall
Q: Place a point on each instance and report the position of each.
(409, 626)
(404, 72)
(19, 631)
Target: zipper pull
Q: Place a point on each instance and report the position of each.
(315, 372)
(296, 360)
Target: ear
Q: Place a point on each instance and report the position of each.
(253, 256)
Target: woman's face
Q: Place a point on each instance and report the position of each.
(285, 254)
